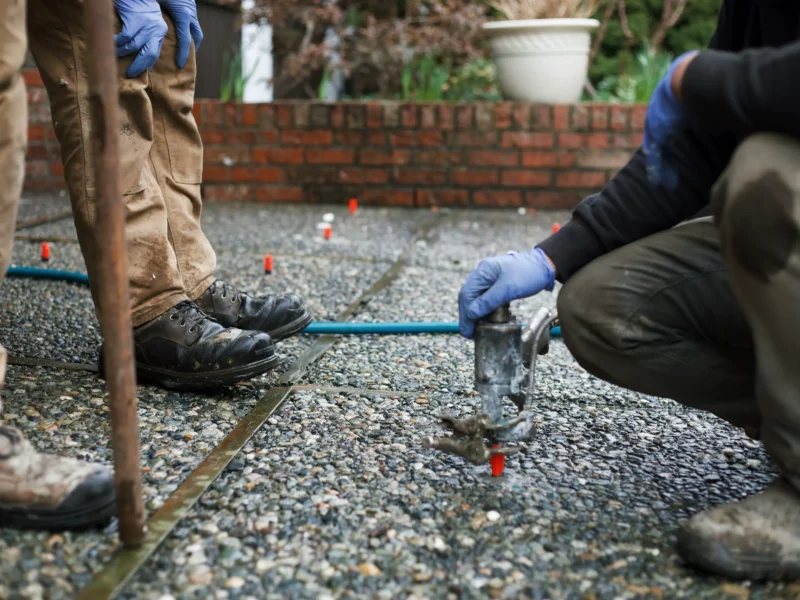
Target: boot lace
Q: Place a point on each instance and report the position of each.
(226, 290)
(188, 312)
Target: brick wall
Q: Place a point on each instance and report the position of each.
(391, 153)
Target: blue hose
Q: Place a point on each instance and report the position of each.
(316, 328)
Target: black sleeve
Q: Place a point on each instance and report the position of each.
(746, 92)
(630, 207)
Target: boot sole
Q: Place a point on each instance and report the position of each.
(716, 558)
(290, 329)
(92, 516)
(199, 382)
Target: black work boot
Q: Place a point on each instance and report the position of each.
(279, 316)
(186, 350)
(47, 491)
(757, 538)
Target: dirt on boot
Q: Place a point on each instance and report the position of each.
(279, 316)
(46, 491)
(757, 538)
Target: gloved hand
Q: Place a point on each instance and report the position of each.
(665, 115)
(499, 280)
(143, 32)
(187, 27)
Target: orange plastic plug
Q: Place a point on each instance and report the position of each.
(45, 251)
(353, 206)
(327, 232)
(268, 264)
(556, 227)
(498, 464)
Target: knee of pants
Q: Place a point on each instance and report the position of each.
(754, 205)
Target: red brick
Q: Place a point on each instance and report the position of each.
(580, 179)
(320, 117)
(428, 120)
(302, 115)
(498, 198)
(561, 118)
(212, 113)
(230, 112)
(473, 177)
(502, 115)
(521, 116)
(255, 174)
(492, 158)
(215, 173)
(600, 159)
(438, 158)
(526, 178)
(220, 154)
(57, 169)
(442, 197)
(331, 156)
(36, 95)
(249, 115)
(410, 176)
(526, 139)
(359, 138)
(638, 114)
(447, 117)
(548, 159)
(32, 77)
(389, 197)
(384, 157)
(619, 117)
(51, 133)
(464, 116)
(213, 136)
(484, 117)
(284, 117)
(41, 152)
(252, 138)
(580, 117)
(37, 133)
(374, 115)
(391, 115)
(629, 141)
(599, 117)
(360, 176)
(408, 116)
(197, 112)
(598, 140)
(266, 116)
(541, 117)
(480, 139)
(312, 137)
(310, 174)
(552, 200)
(278, 156)
(417, 138)
(279, 193)
(229, 193)
(355, 116)
(337, 116)
(571, 140)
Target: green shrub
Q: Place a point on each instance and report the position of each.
(637, 85)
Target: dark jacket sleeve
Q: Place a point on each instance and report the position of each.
(749, 91)
(630, 207)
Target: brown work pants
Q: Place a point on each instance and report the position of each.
(706, 313)
(170, 259)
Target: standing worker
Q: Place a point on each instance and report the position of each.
(699, 310)
(191, 330)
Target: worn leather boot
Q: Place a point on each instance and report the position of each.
(757, 538)
(279, 316)
(45, 491)
(186, 350)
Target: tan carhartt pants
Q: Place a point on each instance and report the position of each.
(170, 259)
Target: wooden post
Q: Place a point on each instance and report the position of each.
(114, 296)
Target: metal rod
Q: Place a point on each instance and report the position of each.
(115, 318)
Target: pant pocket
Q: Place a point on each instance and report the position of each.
(180, 129)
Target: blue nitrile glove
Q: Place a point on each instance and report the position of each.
(143, 32)
(187, 27)
(499, 280)
(665, 115)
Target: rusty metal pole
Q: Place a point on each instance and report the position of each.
(114, 297)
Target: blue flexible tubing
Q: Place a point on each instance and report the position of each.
(315, 328)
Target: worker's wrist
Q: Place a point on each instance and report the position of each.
(676, 82)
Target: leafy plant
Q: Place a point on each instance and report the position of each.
(545, 9)
(425, 79)
(233, 80)
(474, 81)
(637, 85)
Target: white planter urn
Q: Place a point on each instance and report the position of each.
(542, 60)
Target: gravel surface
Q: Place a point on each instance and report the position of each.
(37, 205)
(335, 498)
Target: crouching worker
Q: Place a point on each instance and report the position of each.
(700, 310)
